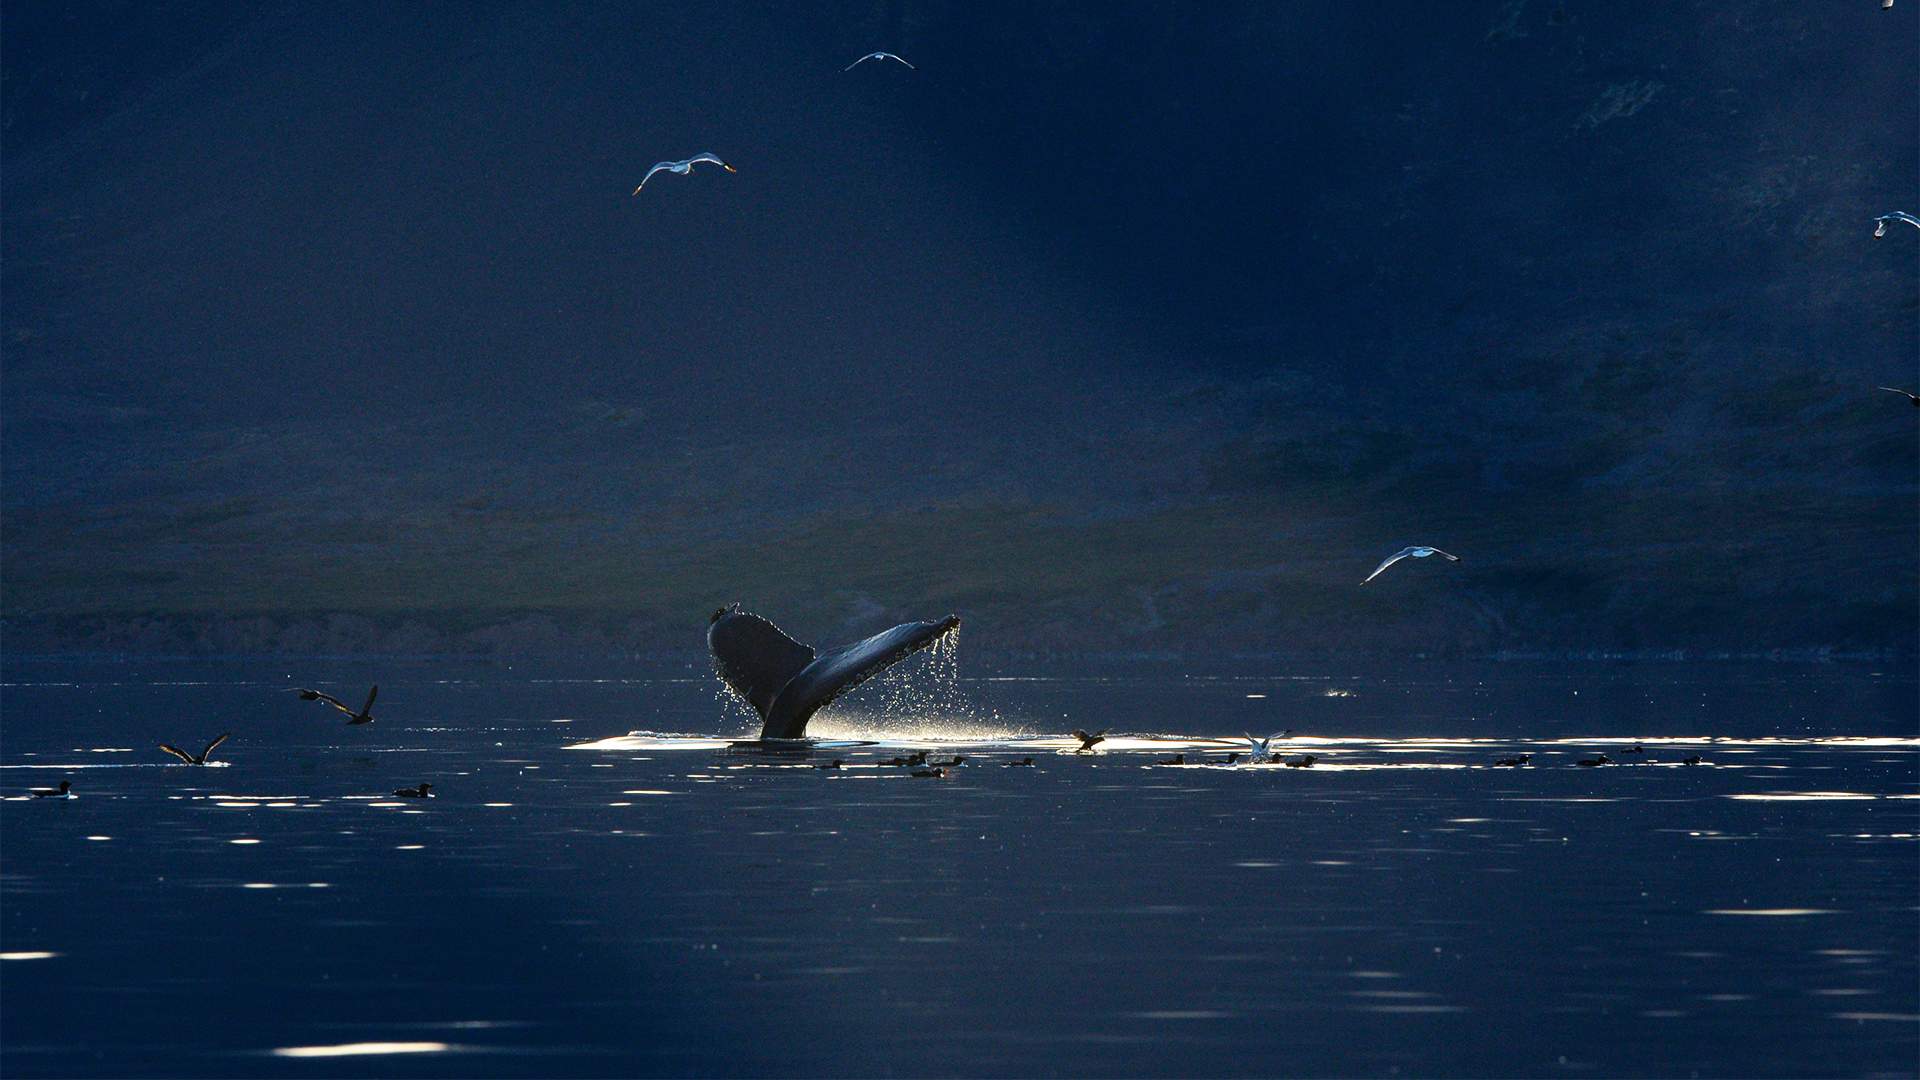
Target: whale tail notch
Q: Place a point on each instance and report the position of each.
(754, 656)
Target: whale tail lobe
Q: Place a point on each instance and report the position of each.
(754, 656)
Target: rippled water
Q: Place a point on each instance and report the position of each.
(607, 885)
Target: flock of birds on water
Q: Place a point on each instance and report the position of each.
(1259, 751)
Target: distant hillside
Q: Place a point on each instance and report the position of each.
(1141, 328)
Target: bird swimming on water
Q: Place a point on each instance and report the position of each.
(1595, 761)
(64, 791)
(1908, 394)
(1513, 762)
(424, 791)
(876, 56)
(1087, 741)
(957, 759)
(931, 774)
(683, 168)
(1177, 759)
(364, 716)
(1025, 761)
(1304, 761)
(1880, 223)
(834, 764)
(1415, 552)
(202, 756)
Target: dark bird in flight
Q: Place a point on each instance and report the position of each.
(934, 774)
(1909, 395)
(876, 56)
(1177, 759)
(1596, 760)
(64, 791)
(1512, 762)
(1304, 761)
(683, 168)
(202, 756)
(424, 791)
(1017, 764)
(1415, 552)
(364, 716)
(1087, 741)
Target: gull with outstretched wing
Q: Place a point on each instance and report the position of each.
(1415, 552)
(876, 56)
(683, 168)
(1880, 223)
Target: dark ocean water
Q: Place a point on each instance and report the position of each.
(665, 903)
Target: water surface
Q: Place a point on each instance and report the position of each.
(606, 885)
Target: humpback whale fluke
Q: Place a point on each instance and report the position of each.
(786, 682)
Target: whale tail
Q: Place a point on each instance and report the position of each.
(754, 656)
(786, 682)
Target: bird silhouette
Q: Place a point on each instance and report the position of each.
(1908, 394)
(64, 791)
(202, 756)
(1087, 742)
(424, 791)
(363, 716)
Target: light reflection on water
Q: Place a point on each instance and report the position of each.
(668, 902)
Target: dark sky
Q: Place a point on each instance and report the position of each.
(1164, 316)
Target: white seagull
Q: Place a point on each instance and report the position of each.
(683, 168)
(1262, 749)
(1880, 223)
(876, 56)
(1410, 553)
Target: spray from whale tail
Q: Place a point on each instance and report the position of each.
(786, 682)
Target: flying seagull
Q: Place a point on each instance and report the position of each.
(1410, 553)
(683, 168)
(364, 716)
(1880, 223)
(1086, 740)
(1262, 749)
(1910, 395)
(876, 56)
(202, 756)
